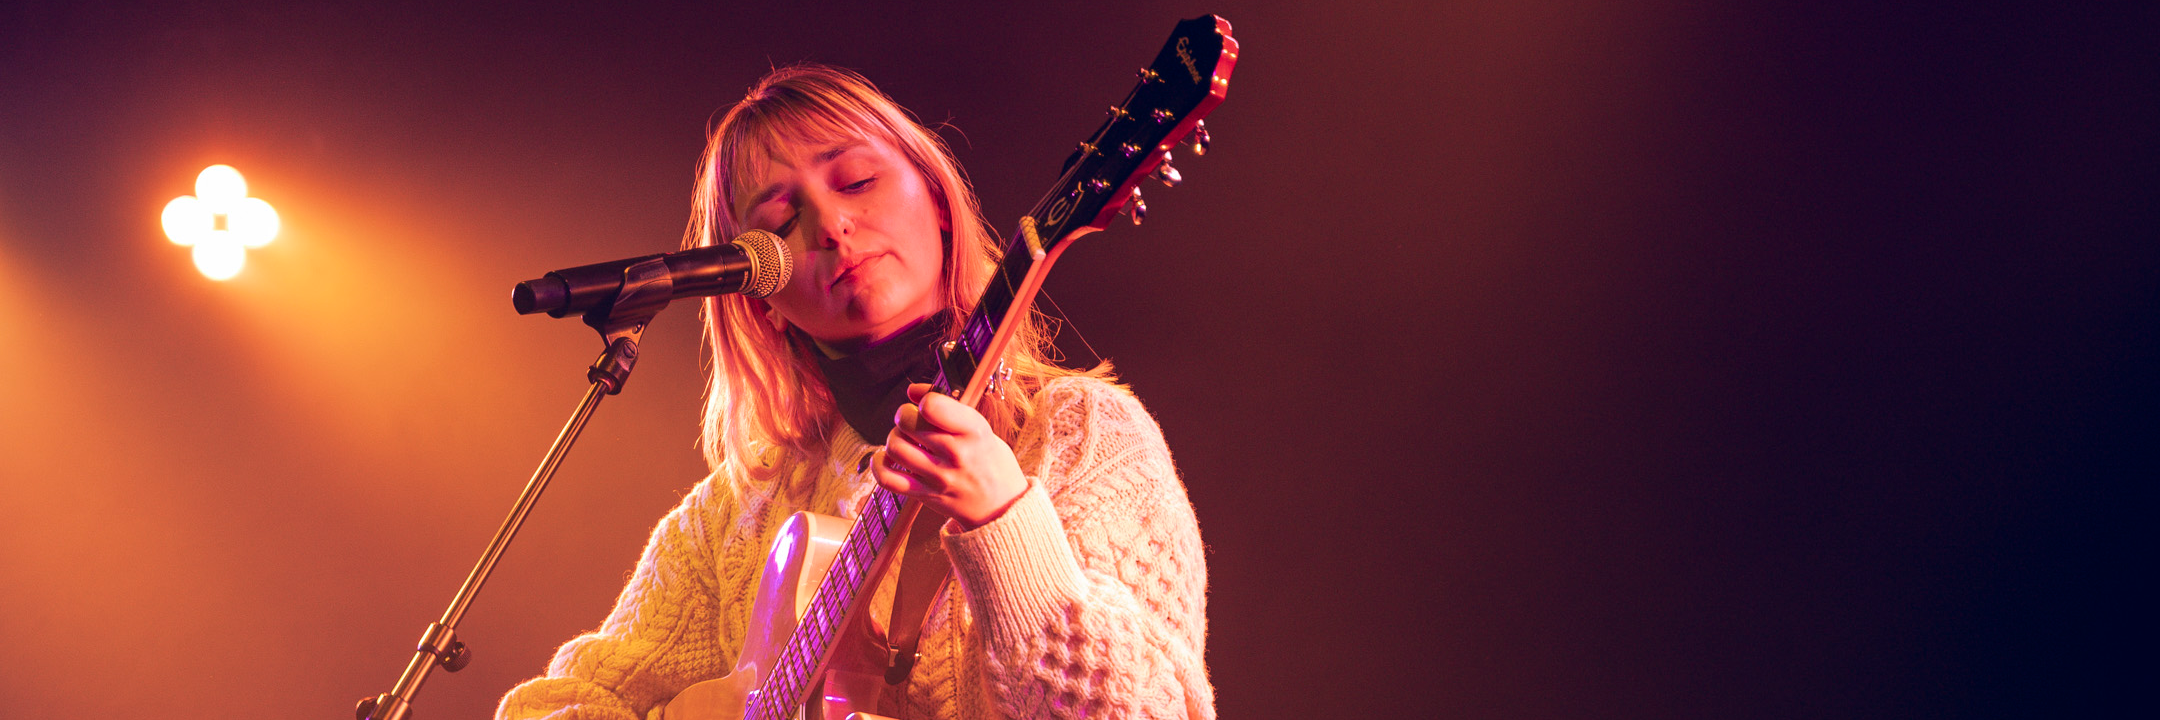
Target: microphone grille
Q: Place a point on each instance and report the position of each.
(770, 266)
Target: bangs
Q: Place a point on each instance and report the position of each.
(767, 127)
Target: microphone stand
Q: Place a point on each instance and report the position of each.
(646, 291)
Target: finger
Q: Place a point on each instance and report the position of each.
(911, 417)
(916, 391)
(942, 447)
(895, 479)
(909, 456)
(905, 417)
(908, 423)
(900, 483)
(946, 413)
(933, 434)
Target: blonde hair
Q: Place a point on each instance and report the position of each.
(763, 390)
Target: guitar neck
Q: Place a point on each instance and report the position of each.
(1003, 305)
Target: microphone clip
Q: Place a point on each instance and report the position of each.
(647, 288)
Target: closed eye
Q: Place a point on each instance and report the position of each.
(859, 185)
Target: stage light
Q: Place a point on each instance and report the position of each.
(253, 221)
(219, 260)
(220, 187)
(220, 221)
(186, 222)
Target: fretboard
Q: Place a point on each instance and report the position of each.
(782, 691)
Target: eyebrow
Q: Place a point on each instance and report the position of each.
(823, 156)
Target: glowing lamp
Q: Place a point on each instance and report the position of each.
(220, 222)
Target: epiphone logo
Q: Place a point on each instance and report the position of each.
(1184, 55)
(1062, 208)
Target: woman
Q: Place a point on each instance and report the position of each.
(1079, 579)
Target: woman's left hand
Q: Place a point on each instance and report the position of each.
(943, 453)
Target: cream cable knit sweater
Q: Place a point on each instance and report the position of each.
(1086, 599)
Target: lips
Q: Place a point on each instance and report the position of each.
(848, 271)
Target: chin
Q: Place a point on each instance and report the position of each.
(867, 320)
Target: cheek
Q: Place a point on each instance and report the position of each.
(926, 261)
(797, 303)
(924, 233)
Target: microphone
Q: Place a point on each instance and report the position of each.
(755, 264)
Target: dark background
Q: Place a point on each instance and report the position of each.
(1541, 359)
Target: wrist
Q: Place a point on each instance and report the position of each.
(991, 509)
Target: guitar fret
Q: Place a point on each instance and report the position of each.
(978, 334)
(845, 565)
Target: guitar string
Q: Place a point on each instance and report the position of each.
(1065, 321)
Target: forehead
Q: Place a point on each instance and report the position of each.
(761, 169)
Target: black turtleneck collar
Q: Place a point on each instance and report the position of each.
(870, 385)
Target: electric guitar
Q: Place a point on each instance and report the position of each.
(810, 637)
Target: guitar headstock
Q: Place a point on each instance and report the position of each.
(1185, 82)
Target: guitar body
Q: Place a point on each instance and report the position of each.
(801, 553)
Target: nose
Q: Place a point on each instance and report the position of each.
(831, 224)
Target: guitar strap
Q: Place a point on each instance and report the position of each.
(923, 572)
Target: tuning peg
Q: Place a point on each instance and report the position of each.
(1136, 207)
(1199, 137)
(1168, 175)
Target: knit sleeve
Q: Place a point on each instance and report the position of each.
(1091, 589)
(662, 636)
